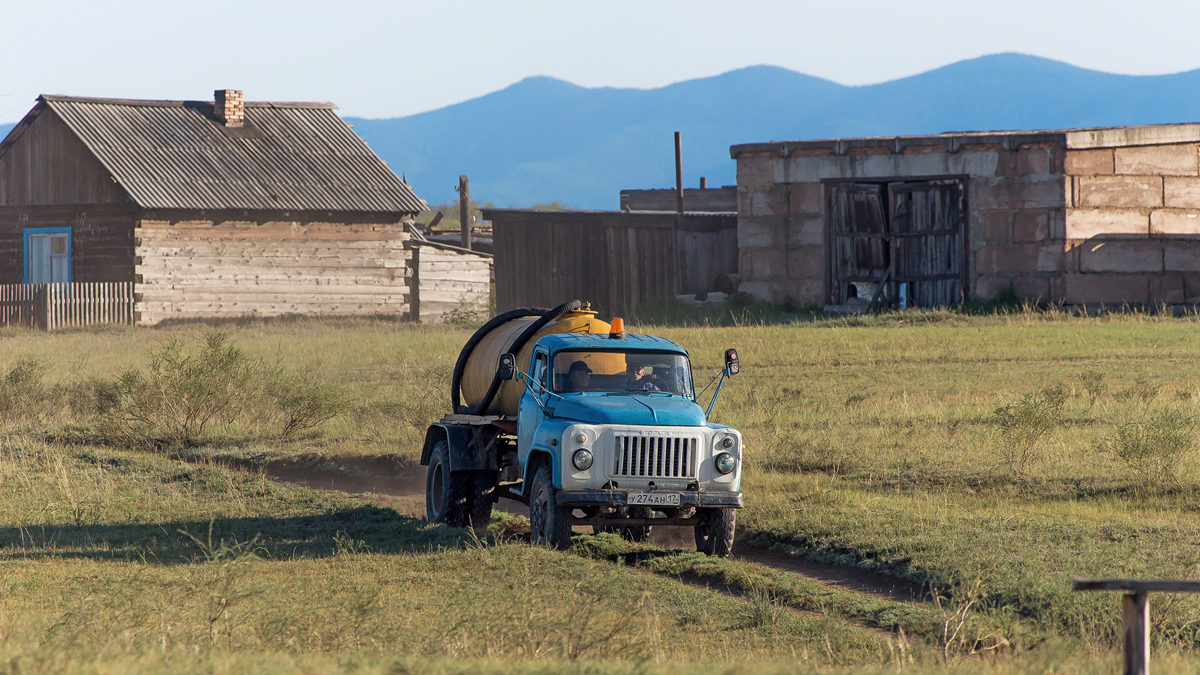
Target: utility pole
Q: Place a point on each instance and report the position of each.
(464, 210)
(678, 174)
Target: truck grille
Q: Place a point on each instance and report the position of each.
(654, 457)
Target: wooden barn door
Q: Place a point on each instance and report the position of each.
(928, 243)
(908, 237)
(859, 251)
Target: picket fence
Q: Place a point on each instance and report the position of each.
(62, 305)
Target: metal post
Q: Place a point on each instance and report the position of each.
(678, 174)
(464, 210)
(1137, 633)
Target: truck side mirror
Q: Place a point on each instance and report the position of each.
(731, 361)
(507, 369)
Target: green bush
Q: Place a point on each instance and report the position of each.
(184, 394)
(1023, 424)
(23, 395)
(1154, 450)
(305, 401)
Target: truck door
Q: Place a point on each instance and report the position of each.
(529, 412)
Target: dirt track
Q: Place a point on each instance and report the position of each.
(402, 488)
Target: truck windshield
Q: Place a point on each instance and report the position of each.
(617, 371)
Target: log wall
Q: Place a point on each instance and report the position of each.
(101, 240)
(446, 282)
(194, 269)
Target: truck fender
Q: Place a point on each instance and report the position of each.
(471, 448)
(539, 455)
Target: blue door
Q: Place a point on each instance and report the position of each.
(529, 414)
(47, 255)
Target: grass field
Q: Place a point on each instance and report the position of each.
(982, 459)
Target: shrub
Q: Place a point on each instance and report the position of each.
(23, 395)
(1093, 382)
(180, 394)
(1024, 423)
(1141, 390)
(305, 401)
(1155, 449)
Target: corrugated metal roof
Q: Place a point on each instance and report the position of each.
(288, 156)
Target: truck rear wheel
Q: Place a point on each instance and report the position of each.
(445, 490)
(714, 534)
(549, 523)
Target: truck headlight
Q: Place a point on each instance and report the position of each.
(580, 438)
(725, 462)
(727, 442)
(582, 459)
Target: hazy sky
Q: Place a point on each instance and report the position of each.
(389, 59)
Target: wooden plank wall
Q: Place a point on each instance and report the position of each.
(47, 164)
(449, 282)
(614, 260)
(206, 269)
(101, 239)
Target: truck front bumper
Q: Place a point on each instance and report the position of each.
(582, 498)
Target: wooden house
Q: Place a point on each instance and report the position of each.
(210, 209)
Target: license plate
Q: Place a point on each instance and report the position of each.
(652, 499)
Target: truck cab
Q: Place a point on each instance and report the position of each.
(611, 428)
(609, 432)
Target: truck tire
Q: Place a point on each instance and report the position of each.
(549, 523)
(445, 490)
(714, 534)
(482, 488)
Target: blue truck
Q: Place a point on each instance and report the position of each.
(607, 431)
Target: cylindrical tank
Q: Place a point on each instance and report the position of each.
(481, 364)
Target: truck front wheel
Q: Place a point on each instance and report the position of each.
(445, 490)
(549, 523)
(714, 534)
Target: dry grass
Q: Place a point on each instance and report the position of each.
(871, 442)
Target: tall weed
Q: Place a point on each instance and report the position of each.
(1023, 424)
(305, 401)
(1155, 449)
(23, 395)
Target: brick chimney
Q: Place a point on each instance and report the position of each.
(230, 109)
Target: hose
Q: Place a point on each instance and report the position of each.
(492, 323)
(546, 316)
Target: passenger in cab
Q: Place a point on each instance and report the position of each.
(637, 380)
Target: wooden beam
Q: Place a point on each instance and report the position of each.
(414, 285)
(1137, 585)
(1137, 633)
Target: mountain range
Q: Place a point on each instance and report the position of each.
(543, 140)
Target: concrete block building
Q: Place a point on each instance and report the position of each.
(1082, 217)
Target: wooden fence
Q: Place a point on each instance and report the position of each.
(612, 259)
(447, 281)
(52, 306)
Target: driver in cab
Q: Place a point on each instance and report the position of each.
(579, 377)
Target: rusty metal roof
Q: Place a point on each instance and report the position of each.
(288, 156)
